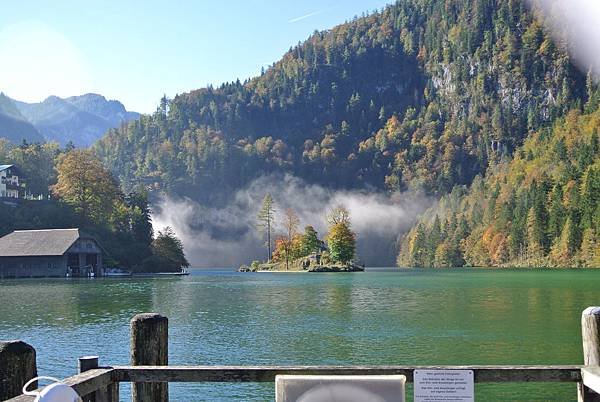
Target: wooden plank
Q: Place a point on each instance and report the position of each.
(591, 378)
(108, 394)
(268, 373)
(590, 337)
(84, 383)
(93, 380)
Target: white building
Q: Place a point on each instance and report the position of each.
(11, 182)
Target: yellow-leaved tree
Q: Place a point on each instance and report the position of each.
(84, 183)
(341, 239)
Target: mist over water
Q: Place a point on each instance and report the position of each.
(577, 21)
(227, 236)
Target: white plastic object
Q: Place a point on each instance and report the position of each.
(340, 388)
(56, 392)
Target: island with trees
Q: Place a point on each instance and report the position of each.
(305, 252)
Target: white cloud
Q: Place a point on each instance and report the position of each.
(303, 17)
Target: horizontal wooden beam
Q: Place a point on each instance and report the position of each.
(591, 378)
(95, 379)
(84, 383)
(268, 373)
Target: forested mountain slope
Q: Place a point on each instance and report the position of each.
(425, 95)
(540, 209)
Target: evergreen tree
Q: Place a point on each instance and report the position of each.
(141, 219)
(535, 235)
(266, 219)
(169, 250)
(590, 196)
(556, 214)
(310, 241)
(562, 250)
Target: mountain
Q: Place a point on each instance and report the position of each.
(423, 95)
(542, 208)
(79, 119)
(112, 111)
(13, 125)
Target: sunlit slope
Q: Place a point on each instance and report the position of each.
(422, 95)
(542, 208)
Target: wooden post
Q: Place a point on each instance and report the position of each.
(17, 366)
(149, 347)
(105, 394)
(590, 336)
(87, 363)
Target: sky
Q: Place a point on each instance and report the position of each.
(136, 51)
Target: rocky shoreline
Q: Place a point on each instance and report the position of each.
(295, 267)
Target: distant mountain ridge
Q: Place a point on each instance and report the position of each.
(13, 125)
(79, 119)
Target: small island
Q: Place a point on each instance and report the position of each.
(305, 252)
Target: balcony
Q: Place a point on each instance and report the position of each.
(13, 186)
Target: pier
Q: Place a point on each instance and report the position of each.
(150, 373)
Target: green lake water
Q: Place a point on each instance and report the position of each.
(376, 317)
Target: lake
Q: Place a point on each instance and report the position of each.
(377, 317)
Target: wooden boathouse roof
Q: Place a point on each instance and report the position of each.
(45, 242)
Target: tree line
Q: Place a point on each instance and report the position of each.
(542, 208)
(78, 191)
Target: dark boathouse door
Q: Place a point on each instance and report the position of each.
(73, 263)
(92, 260)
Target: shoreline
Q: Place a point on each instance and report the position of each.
(279, 271)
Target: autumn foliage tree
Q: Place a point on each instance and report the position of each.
(341, 239)
(290, 225)
(84, 183)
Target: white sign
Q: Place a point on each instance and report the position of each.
(444, 385)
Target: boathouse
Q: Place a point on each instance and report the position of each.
(49, 253)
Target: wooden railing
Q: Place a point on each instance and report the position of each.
(150, 373)
(102, 384)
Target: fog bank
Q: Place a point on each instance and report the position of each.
(579, 22)
(227, 236)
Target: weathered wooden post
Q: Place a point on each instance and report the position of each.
(86, 363)
(149, 347)
(17, 366)
(590, 336)
(107, 394)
